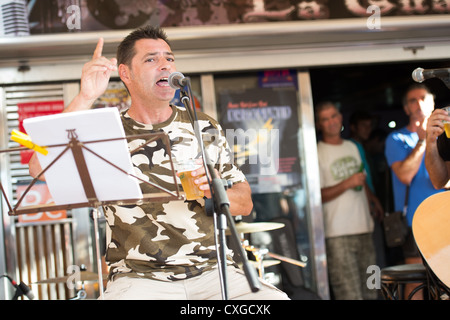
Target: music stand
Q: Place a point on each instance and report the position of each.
(84, 166)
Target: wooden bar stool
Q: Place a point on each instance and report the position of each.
(394, 279)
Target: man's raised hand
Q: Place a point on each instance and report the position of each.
(96, 74)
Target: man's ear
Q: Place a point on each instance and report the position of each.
(124, 73)
(406, 109)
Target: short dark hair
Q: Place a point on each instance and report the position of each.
(322, 105)
(126, 51)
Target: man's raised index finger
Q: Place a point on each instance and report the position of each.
(98, 49)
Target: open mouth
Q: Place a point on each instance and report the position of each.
(164, 82)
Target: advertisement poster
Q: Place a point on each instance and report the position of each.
(55, 16)
(115, 95)
(261, 126)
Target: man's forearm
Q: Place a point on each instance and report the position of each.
(330, 193)
(240, 198)
(436, 167)
(35, 168)
(79, 103)
(407, 169)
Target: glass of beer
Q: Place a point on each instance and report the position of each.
(446, 123)
(184, 169)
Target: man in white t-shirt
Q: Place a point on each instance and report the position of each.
(347, 219)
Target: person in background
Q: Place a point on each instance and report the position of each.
(347, 220)
(405, 151)
(361, 125)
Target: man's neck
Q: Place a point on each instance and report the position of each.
(154, 114)
(336, 140)
(412, 126)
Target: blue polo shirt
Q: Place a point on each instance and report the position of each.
(399, 144)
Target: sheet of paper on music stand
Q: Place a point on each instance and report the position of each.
(62, 177)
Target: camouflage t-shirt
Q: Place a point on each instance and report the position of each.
(169, 240)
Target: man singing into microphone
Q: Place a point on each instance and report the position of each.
(163, 250)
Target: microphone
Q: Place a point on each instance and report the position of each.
(177, 80)
(420, 75)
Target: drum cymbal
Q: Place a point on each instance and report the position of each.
(244, 227)
(84, 276)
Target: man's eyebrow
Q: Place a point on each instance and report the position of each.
(151, 54)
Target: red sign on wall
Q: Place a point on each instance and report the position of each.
(36, 109)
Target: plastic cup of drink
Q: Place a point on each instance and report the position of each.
(184, 171)
(446, 123)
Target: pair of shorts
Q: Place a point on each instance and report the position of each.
(203, 287)
(348, 259)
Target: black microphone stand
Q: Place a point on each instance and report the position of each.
(21, 289)
(218, 205)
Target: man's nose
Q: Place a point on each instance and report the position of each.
(164, 65)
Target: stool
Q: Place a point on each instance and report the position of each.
(394, 279)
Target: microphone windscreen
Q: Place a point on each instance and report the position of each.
(417, 75)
